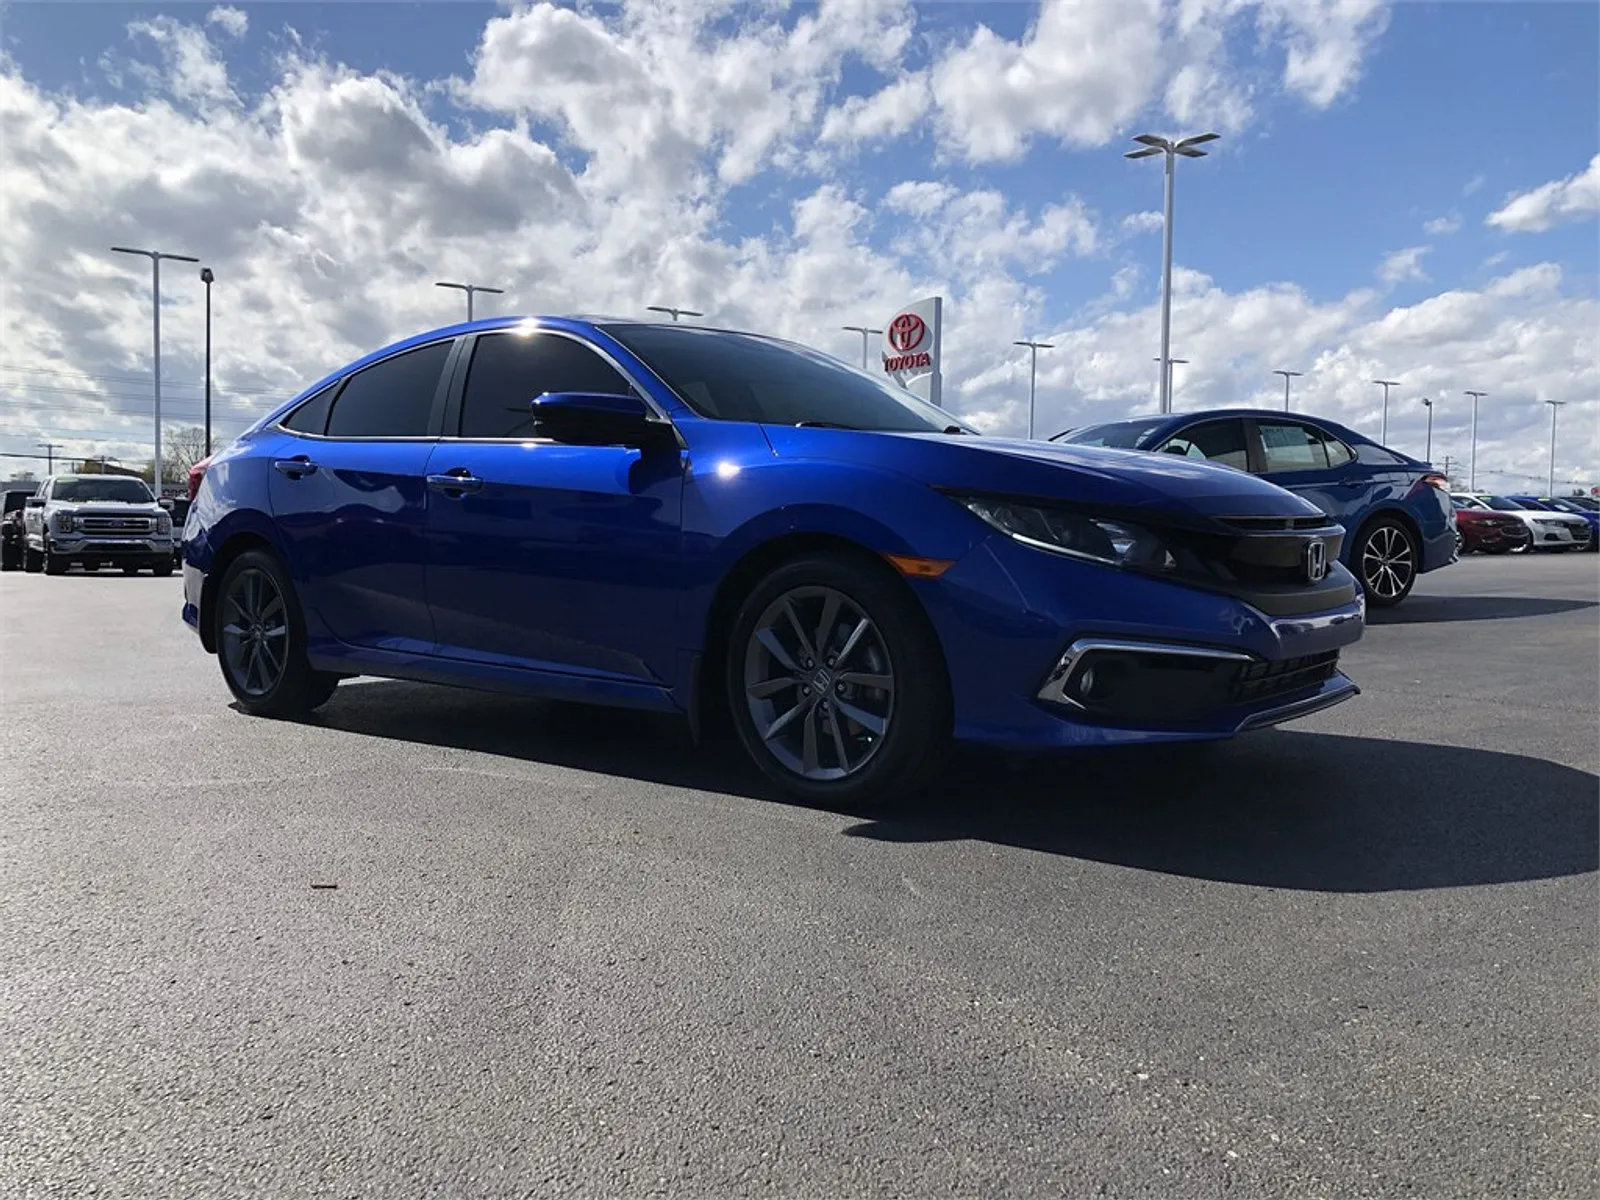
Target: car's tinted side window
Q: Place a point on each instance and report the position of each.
(392, 398)
(1290, 446)
(312, 416)
(508, 370)
(1217, 441)
(1338, 452)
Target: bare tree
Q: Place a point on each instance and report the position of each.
(182, 447)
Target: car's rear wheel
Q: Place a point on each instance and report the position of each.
(1387, 560)
(261, 640)
(836, 684)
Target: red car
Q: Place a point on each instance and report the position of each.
(1489, 532)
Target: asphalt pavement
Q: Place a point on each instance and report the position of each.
(438, 943)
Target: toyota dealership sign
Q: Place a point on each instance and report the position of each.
(911, 345)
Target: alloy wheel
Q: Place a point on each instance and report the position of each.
(1387, 562)
(818, 683)
(255, 632)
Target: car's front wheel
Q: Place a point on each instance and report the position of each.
(1386, 558)
(836, 683)
(261, 640)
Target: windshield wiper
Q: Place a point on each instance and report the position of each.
(824, 425)
(957, 429)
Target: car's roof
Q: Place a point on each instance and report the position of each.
(1208, 413)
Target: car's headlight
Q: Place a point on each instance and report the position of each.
(63, 522)
(164, 523)
(1062, 531)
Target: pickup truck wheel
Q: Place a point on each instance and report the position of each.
(261, 640)
(54, 564)
(130, 570)
(162, 568)
(32, 560)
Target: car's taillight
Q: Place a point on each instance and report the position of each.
(1438, 481)
(196, 474)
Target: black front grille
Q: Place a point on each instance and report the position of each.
(1263, 680)
(1275, 524)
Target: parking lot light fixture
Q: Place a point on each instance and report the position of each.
(1472, 462)
(864, 331)
(155, 257)
(676, 312)
(1385, 384)
(1187, 148)
(471, 289)
(1427, 455)
(1287, 375)
(1171, 362)
(1555, 405)
(1033, 375)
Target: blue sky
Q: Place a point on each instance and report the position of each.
(1446, 110)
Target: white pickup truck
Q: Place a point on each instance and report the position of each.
(95, 519)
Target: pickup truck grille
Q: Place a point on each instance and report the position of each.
(123, 525)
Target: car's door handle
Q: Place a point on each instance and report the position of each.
(1352, 483)
(456, 484)
(294, 468)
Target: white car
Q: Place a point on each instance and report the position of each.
(1547, 530)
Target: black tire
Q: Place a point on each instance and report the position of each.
(130, 570)
(54, 564)
(32, 560)
(295, 689)
(1386, 557)
(892, 763)
(162, 568)
(10, 560)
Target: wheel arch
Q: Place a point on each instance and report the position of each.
(238, 543)
(706, 702)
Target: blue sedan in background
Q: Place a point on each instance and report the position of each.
(732, 527)
(1396, 510)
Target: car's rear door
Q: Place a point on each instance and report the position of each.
(544, 555)
(348, 497)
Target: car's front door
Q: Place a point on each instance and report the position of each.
(348, 497)
(1314, 464)
(1219, 441)
(544, 555)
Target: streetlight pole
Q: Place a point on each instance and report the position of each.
(1472, 468)
(1287, 375)
(1186, 147)
(1427, 455)
(676, 312)
(471, 289)
(1385, 384)
(1554, 405)
(155, 257)
(1171, 362)
(1033, 375)
(863, 331)
(206, 277)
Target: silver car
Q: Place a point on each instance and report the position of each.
(1547, 530)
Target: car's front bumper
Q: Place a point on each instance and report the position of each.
(88, 547)
(1018, 624)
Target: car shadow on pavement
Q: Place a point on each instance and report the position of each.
(1279, 808)
(1425, 610)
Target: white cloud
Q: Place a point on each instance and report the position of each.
(1440, 226)
(1575, 198)
(1403, 266)
(328, 205)
(1143, 222)
(889, 113)
(232, 21)
(1473, 184)
(1327, 40)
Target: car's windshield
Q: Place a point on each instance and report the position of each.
(741, 377)
(1568, 505)
(1507, 504)
(1118, 435)
(1584, 503)
(104, 487)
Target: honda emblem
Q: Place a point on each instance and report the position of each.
(1316, 561)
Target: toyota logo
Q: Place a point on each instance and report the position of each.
(1316, 561)
(906, 332)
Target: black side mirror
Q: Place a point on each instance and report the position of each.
(598, 419)
(165, 503)
(33, 502)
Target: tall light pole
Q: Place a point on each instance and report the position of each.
(471, 289)
(1427, 455)
(1033, 375)
(1385, 384)
(207, 278)
(863, 331)
(1171, 362)
(1472, 468)
(155, 257)
(1186, 147)
(1287, 375)
(676, 312)
(1554, 405)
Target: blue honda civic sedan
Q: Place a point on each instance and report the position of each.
(738, 529)
(1395, 510)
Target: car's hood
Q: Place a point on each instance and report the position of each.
(1088, 475)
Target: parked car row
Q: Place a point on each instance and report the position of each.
(1495, 524)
